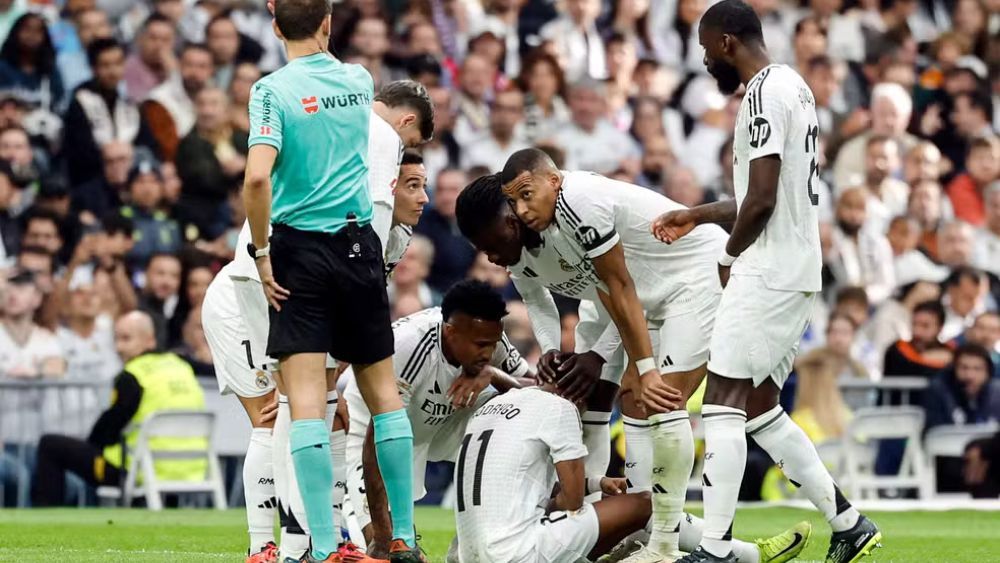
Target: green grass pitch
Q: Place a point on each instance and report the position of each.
(109, 535)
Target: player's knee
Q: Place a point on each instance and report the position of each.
(727, 392)
(687, 382)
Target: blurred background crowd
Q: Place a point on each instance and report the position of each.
(123, 136)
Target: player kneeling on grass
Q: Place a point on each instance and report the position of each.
(445, 357)
(520, 445)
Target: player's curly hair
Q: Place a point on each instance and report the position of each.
(479, 204)
(474, 298)
(736, 18)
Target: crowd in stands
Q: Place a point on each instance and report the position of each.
(123, 137)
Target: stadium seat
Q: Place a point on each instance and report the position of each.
(950, 441)
(170, 424)
(866, 429)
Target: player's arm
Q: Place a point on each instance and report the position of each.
(545, 324)
(622, 303)
(672, 225)
(762, 195)
(579, 373)
(572, 485)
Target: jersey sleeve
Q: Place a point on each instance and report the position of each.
(542, 310)
(769, 117)
(588, 212)
(508, 359)
(265, 116)
(563, 433)
(414, 344)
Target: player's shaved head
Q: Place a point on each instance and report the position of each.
(526, 160)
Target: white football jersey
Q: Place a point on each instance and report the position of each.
(385, 152)
(506, 470)
(395, 247)
(594, 213)
(424, 376)
(778, 117)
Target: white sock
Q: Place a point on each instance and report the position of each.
(597, 438)
(673, 459)
(338, 451)
(258, 488)
(796, 455)
(294, 539)
(690, 537)
(725, 461)
(638, 454)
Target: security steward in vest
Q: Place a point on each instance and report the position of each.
(151, 381)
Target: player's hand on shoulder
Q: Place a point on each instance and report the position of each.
(614, 486)
(548, 366)
(656, 395)
(275, 293)
(578, 374)
(672, 225)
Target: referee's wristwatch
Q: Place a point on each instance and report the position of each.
(256, 253)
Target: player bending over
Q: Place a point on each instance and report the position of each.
(662, 300)
(775, 261)
(533, 438)
(444, 358)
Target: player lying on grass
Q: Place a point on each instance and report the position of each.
(661, 298)
(445, 357)
(532, 438)
(235, 320)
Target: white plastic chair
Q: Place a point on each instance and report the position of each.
(170, 424)
(950, 441)
(870, 425)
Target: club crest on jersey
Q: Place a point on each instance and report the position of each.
(587, 235)
(310, 104)
(566, 267)
(760, 132)
(262, 380)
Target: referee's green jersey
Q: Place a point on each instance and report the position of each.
(315, 111)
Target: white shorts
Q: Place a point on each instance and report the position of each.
(588, 331)
(234, 317)
(757, 330)
(681, 341)
(565, 537)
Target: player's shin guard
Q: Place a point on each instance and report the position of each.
(338, 452)
(597, 439)
(394, 449)
(638, 454)
(795, 453)
(673, 459)
(310, 444)
(294, 538)
(725, 461)
(690, 537)
(258, 486)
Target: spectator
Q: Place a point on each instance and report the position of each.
(681, 185)
(820, 75)
(972, 115)
(28, 63)
(53, 197)
(152, 61)
(150, 382)
(194, 346)
(27, 350)
(111, 277)
(964, 299)
(505, 136)
(488, 272)
(860, 255)
(657, 160)
(893, 319)
(90, 24)
(409, 279)
(443, 150)
(370, 43)
(87, 335)
(160, 298)
(985, 332)
(10, 230)
(155, 231)
(925, 207)
(453, 255)
(909, 263)
(170, 108)
(210, 163)
(41, 230)
(42, 265)
(809, 41)
(223, 40)
(100, 196)
(887, 196)
(922, 164)
(245, 75)
(923, 354)
(475, 83)
(967, 191)
(544, 85)
(591, 142)
(986, 254)
(981, 471)
(677, 46)
(97, 114)
(16, 150)
(577, 41)
(955, 244)
(891, 108)
(622, 60)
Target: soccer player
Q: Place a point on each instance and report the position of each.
(662, 300)
(309, 139)
(444, 358)
(771, 272)
(533, 438)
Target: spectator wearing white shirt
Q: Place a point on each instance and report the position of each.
(591, 142)
(860, 256)
(577, 40)
(544, 86)
(986, 251)
(500, 17)
(965, 293)
(908, 262)
(87, 336)
(505, 135)
(26, 349)
(475, 85)
(886, 196)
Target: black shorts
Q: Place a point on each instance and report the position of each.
(338, 302)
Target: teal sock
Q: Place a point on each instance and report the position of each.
(309, 441)
(394, 448)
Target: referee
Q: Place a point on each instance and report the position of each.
(322, 272)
